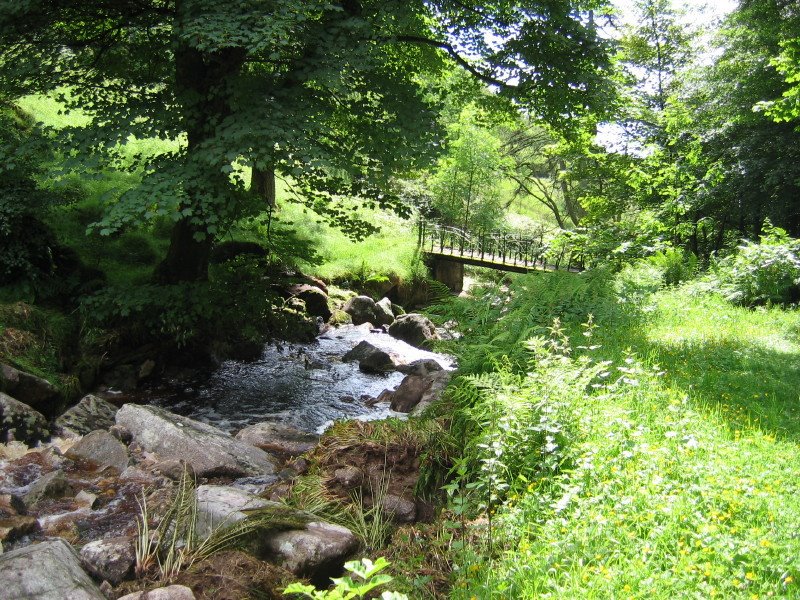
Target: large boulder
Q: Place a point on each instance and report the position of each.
(90, 414)
(222, 505)
(414, 329)
(383, 309)
(111, 559)
(46, 571)
(409, 393)
(372, 359)
(20, 422)
(318, 547)
(364, 309)
(278, 438)
(316, 300)
(208, 450)
(101, 449)
(34, 391)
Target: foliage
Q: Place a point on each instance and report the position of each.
(368, 576)
(763, 272)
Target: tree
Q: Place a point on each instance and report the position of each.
(322, 91)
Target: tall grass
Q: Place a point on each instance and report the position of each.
(681, 465)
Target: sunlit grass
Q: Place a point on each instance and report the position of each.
(686, 475)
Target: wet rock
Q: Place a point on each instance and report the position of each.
(399, 509)
(439, 381)
(363, 309)
(414, 329)
(371, 359)
(318, 547)
(316, 300)
(13, 528)
(207, 449)
(278, 438)
(383, 308)
(409, 393)
(29, 389)
(102, 449)
(50, 485)
(46, 571)
(88, 415)
(20, 422)
(11, 504)
(422, 366)
(110, 559)
(172, 592)
(222, 504)
(349, 477)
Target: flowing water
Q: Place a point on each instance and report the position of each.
(307, 386)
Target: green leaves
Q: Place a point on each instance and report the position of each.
(368, 576)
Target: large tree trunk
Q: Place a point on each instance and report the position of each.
(202, 89)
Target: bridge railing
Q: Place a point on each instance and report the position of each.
(499, 248)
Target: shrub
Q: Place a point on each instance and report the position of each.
(761, 273)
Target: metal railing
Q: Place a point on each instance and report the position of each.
(497, 249)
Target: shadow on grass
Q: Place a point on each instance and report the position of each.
(745, 384)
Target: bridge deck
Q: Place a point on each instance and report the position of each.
(490, 261)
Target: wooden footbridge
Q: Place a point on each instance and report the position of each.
(448, 249)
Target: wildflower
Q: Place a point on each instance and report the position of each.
(750, 576)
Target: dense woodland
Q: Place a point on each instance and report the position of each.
(169, 166)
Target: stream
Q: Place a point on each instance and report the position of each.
(307, 386)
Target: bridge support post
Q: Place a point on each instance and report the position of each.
(448, 272)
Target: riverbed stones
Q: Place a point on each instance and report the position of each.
(371, 359)
(11, 504)
(278, 438)
(101, 449)
(414, 329)
(318, 547)
(111, 559)
(47, 571)
(421, 366)
(171, 592)
(383, 309)
(349, 477)
(409, 393)
(19, 422)
(34, 391)
(14, 527)
(50, 485)
(88, 415)
(208, 450)
(224, 505)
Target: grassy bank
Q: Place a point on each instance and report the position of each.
(653, 454)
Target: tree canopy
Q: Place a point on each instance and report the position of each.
(331, 94)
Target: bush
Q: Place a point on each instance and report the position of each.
(761, 273)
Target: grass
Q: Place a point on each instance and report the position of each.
(682, 470)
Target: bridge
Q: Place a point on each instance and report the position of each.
(448, 249)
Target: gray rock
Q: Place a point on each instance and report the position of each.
(208, 450)
(172, 592)
(364, 309)
(384, 312)
(409, 393)
(320, 546)
(50, 485)
(439, 381)
(34, 391)
(102, 449)
(349, 477)
(399, 509)
(112, 559)
(88, 415)
(278, 438)
(174, 468)
(223, 505)
(86, 499)
(46, 571)
(20, 422)
(414, 329)
(371, 359)
(316, 300)
(421, 366)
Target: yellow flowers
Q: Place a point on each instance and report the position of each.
(750, 576)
